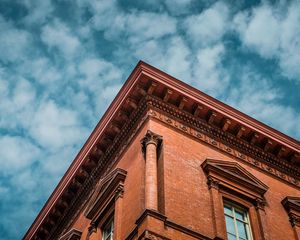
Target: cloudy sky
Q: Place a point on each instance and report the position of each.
(62, 62)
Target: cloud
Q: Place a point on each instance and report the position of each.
(273, 32)
(15, 43)
(58, 36)
(209, 26)
(16, 153)
(17, 100)
(259, 98)
(209, 74)
(178, 7)
(55, 127)
(38, 11)
(171, 55)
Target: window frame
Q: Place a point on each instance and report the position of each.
(234, 206)
(230, 181)
(110, 223)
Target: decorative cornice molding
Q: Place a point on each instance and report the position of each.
(196, 128)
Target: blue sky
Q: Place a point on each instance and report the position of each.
(62, 62)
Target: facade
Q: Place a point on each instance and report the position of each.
(166, 161)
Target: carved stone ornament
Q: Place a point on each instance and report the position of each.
(260, 203)
(92, 228)
(294, 219)
(292, 206)
(212, 183)
(152, 236)
(151, 138)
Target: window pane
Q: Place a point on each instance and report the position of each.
(108, 230)
(242, 230)
(240, 215)
(231, 236)
(228, 210)
(229, 225)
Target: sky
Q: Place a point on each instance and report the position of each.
(63, 61)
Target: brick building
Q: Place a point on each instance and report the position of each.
(166, 161)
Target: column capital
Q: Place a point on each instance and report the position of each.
(260, 203)
(212, 183)
(151, 138)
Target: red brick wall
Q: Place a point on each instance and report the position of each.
(183, 193)
(187, 199)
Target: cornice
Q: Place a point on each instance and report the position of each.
(224, 141)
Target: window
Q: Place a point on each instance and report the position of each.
(108, 230)
(237, 222)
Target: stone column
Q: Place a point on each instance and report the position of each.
(150, 144)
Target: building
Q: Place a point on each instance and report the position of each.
(167, 161)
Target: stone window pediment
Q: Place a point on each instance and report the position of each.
(73, 234)
(292, 206)
(229, 182)
(231, 176)
(105, 194)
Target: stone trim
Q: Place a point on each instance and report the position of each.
(212, 136)
(292, 206)
(167, 222)
(73, 234)
(109, 189)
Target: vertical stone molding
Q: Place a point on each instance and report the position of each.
(150, 144)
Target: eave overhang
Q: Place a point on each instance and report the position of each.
(146, 80)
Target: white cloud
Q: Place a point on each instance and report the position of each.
(209, 75)
(38, 11)
(257, 97)
(146, 25)
(16, 153)
(55, 127)
(209, 26)
(179, 7)
(17, 102)
(58, 35)
(171, 55)
(42, 70)
(273, 32)
(98, 72)
(15, 43)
